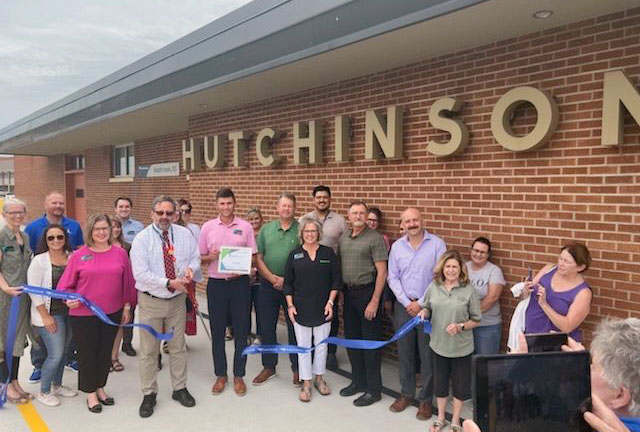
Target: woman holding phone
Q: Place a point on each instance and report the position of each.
(561, 297)
(452, 305)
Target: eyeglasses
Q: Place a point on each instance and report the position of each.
(310, 231)
(16, 213)
(480, 252)
(186, 211)
(372, 220)
(58, 237)
(162, 213)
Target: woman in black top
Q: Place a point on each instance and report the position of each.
(311, 283)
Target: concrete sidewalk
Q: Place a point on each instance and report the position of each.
(273, 406)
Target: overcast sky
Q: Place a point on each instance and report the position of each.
(51, 48)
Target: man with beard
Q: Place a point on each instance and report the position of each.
(411, 263)
(333, 226)
(363, 257)
(164, 257)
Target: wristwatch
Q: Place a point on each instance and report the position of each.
(462, 327)
(168, 285)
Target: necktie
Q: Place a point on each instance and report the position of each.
(167, 254)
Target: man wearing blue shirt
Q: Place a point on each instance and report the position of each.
(411, 263)
(53, 213)
(130, 226)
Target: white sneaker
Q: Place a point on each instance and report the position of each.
(48, 399)
(63, 391)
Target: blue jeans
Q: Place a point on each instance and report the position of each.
(487, 339)
(57, 349)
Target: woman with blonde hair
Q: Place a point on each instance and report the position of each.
(452, 305)
(15, 256)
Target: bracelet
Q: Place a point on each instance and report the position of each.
(290, 306)
(330, 302)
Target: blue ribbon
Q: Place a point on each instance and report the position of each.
(94, 308)
(347, 343)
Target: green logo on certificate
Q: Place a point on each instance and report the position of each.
(235, 260)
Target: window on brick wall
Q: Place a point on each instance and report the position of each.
(123, 161)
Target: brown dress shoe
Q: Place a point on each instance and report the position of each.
(239, 386)
(424, 411)
(263, 376)
(400, 404)
(296, 380)
(218, 386)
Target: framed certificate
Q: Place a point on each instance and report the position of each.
(235, 260)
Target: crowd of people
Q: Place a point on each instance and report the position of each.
(308, 268)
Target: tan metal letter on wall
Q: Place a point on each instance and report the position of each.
(503, 111)
(457, 128)
(191, 154)
(383, 138)
(264, 141)
(307, 148)
(342, 134)
(239, 141)
(618, 91)
(214, 151)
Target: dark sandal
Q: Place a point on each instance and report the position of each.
(116, 366)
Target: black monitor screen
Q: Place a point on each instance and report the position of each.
(531, 392)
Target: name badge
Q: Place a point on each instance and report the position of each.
(131, 232)
(237, 231)
(86, 257)
(298, 256)
(323, 261)
(7, 249)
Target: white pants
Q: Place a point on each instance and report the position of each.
(303, 337)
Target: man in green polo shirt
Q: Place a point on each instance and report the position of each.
(275, 241)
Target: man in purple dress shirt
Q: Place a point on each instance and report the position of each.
(411, 262)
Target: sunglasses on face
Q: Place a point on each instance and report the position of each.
(162, 213)
(58, 237)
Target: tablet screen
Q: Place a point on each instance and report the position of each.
(531, 392)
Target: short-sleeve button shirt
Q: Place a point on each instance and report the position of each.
(359, 254)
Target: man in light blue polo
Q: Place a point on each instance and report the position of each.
(411, 262)
(130, 226)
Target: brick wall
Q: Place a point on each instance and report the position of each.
(35, 177)
(528, 204)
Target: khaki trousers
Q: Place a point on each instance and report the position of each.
(159, 313)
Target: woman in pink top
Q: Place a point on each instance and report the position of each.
(102, 274)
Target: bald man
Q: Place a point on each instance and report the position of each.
(411, 262)
(54, 213)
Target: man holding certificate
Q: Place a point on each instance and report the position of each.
(228, 245)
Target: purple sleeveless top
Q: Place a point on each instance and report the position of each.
(536, 321)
